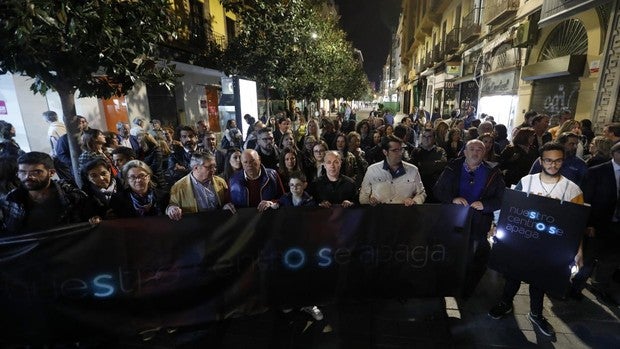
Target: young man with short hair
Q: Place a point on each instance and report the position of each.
(548, 183)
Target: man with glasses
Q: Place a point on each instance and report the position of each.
(549, 183)
(266, 148)
(201, 190)
(472, 182)
(40, 202)
(392, 181)
(573, 168)
(430, 161)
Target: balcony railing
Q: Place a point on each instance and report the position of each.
(429, 59)
(470, 30)
(505, 59)
(496, 11)
(437, 53)
(219, 39)
(452, 41)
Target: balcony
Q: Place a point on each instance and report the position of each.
(437, 53)
(505, 60)
(496, 11)
(471, 26)
(452, 41)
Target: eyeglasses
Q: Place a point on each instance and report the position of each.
(141, 177)
(397, 150)
(551, 161)
(33, 173)
(209, 167)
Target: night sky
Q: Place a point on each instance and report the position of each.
(369, 25)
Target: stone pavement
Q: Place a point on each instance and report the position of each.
(427, 323)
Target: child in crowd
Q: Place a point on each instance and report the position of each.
(297, 196)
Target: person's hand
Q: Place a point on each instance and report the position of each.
(347, 203)
(178, 167)
(94, 220)
(477, 205)
(174, 212)
(409, 202)
(579, 258)
(265, 204)
(460, 201)
(230, 207)
(325, 204)
(373, 201)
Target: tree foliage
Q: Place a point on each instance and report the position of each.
(99, 47)
(296, 47)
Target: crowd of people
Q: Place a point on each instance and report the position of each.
(151, 170)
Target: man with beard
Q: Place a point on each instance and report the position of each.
(39, 202)
(125, 138)
(549, 183)
(266, 148)
(178, 162)
(573, 168)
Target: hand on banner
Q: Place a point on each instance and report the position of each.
(347, 203)
(230, 207)
(174, 212)
(265, 204)
(373, 201)
(94, 220)
(409, 202)
(325, 204)
(460, 201)
(477, 205)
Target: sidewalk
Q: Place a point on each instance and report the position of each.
(427, 323)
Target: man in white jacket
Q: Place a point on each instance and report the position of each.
(392, 181)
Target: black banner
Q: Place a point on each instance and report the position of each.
(124, 276)
(537, 239)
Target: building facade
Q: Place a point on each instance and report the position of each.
(505, 57)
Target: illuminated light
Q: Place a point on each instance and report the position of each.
(540, 226)
(103, 289)
(294, 258)
(500, 234)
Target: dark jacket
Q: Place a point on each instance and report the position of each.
(600, 190)
(448, 187)
(74, 202)
(133, 140)
(122, 206)
(306, 200)
(516, 163)
(270, 187)
(335, 192)
(181, 157)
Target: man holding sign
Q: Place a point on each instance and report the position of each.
(548, 183)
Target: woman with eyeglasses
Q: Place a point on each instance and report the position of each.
(99, 183)
(140, 197)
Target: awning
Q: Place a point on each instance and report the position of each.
(561, 66)
(465, 78)
(554, 11)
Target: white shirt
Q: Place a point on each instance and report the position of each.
(379, 183)
(564, 189)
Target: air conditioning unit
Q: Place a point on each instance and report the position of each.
(526, 34)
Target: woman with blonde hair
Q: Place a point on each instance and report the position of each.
(573, 126)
